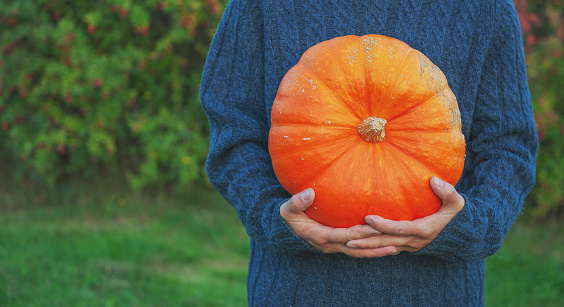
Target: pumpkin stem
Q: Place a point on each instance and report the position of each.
(372, 129)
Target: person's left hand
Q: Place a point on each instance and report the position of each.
(412, 236)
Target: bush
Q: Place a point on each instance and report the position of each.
(113, 84)
(542, 25)
(106, 84)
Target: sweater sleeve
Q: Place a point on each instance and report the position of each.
(500, 154)
(232, 95)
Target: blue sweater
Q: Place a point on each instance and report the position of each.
(476, 43)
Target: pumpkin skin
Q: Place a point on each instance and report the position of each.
(326, 131)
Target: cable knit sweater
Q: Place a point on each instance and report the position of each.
(476, 43)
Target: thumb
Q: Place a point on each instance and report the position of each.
(301, 201)
(446, 192)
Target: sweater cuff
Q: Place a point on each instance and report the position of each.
(284, 240)
(460, 240)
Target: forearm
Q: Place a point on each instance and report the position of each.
(501, 153)
(244, 176)
(232, 95)
(479, 229)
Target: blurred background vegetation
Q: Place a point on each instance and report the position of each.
(542, 24)
(110, 88)
(104, 87)
(103, 194)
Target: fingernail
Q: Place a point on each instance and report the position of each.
(351, 245)
(369, 219)
(438, 182)
(305, 195)
(373, 232)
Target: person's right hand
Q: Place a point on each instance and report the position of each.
(324, 238)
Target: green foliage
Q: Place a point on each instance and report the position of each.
(542, 25)
(113, 84)
(106, 84)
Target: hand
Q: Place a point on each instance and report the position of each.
(412, 236)
(324, 238)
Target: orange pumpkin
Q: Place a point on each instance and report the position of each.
(366, 122)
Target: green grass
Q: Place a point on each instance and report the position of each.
(126, 250)
(529, 268)
(83, 245)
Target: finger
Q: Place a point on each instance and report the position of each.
(446, 192)
(396, 228)
(299, 202)
(379, 242)
(359, 253)
(344, 235)
(370, 253)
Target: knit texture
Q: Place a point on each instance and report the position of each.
(476, 43)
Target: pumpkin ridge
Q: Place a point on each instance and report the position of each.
(434, 170)
(285, 97)
(344, 150)
(337, 94)
(372, 102)
(414, 106)
(394, 83)
(382, 175)
(424, 64)
(422, 104)
(335, 141)
(323, 78)
(367, 98)
(400, 157)
(333, 163)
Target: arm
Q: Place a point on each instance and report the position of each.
(238, 165)
(501, 154)
(232, 95)
(499, 171)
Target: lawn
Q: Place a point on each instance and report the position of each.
(90, 246)
(529, 268)
(122, 250)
